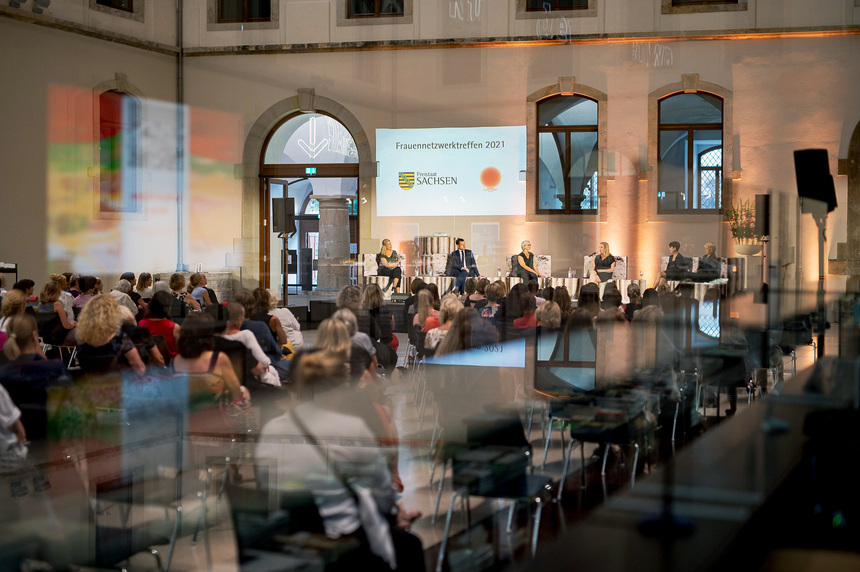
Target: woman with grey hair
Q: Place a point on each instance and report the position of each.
(121, 292)
(526, 268)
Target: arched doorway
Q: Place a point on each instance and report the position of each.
(310, 159)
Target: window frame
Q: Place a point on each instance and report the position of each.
(704, 6)
(567, 130)
(138, 9)
(377, 5)
(692, 157)
(246, 6)
(130, 9)
(554, 10)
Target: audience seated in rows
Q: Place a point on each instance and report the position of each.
(232, 331)
(158, 323)
(177, 288)
(495, 292)
(527, 320)
(14, 303)
(121, 291)
(66, 299)
(87, 285)
(102, 345)
(561, 296)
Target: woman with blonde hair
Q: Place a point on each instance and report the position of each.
(66, 299)
(389, 265)
(14, 303)
(49, 303)
(427, 316)
(197, 288)
(604, 263)
(333, 337)
(449, 308)
(289, 324)
(177, 288)
(100, 339)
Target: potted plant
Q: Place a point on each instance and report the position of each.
(741, 217)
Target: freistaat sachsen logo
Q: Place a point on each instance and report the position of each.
(406, 180)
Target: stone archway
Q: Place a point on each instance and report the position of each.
(247, 252)
(848, 253)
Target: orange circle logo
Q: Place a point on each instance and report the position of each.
(491, 177)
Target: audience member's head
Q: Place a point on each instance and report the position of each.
(532, 287)
(561, 296)
(348, 319)
(235, 315)
(160, 286)
(650, 298)
(349, 298)
(548, 315)
(448, 308)
(529, 304)
(130, 277)
(547, 293)
(482, 286)
(221, 315)
(159, 305)
(87, 284)
(471, 286)
(416, 286)
(74, 281)
(26, 286)
(262, 300)
(434, 293)
(126, 317)
(589, 298)
(144, 281)
(514, 301)
(333, 337)
(424, 305)
(68, 277)
(361, 363)
(318, 370)
(504, 288)
(246, 299)
(14, 302)
(633, 293)
(194, 281)
(98, 322)
(611, 296)
(581, 318)
(495, 292)
(61, 280)
(99, 287)
(274, 298)
(663, 288)
(123, 286)
(372, 297)
(50, 292)
(23, 336)
(196, 335)
(176, 282)
(612, 314)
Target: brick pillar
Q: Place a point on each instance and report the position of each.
(334, 244)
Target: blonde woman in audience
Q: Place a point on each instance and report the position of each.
(177, 288)
(548, 316)
(333, 337)
(197, 289)
(49, 302)
(427, 316)
(14, 303)
(449, 308)
(66, 299)
(100, 337)
(289, 324)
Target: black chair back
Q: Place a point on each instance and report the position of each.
(76, 310)
(178, 311)
(50, 327)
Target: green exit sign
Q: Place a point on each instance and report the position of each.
(310, 170)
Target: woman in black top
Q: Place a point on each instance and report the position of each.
(389, 265)
(709, 265)
(526, 263)
(604, 263)
(677, 267)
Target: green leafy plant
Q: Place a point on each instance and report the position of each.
(741, 217)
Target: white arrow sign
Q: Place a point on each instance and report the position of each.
(314, 148)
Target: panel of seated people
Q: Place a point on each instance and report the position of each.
(694, 267)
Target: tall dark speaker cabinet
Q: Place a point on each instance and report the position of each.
(762, 215)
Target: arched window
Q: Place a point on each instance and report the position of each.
(690, 153)
(119, 152)
(567, 155)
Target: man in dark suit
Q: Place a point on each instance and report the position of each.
(461, 264)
